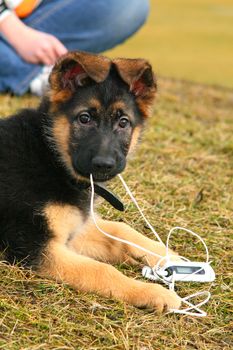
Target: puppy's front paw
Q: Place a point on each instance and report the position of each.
(154, 296)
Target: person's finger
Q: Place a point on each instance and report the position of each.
(50, 51)
(45, 57)
(31, 59)
(58, 47)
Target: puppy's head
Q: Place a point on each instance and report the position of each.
(98, 107)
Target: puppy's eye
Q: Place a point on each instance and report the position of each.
(123, 122)
(84, 118)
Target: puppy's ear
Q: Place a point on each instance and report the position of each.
(76, 69)
(138, 74)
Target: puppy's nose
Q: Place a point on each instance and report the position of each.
(103, 163)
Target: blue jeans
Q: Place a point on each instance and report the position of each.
(88, 25)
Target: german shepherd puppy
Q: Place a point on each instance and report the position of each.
(87, 123)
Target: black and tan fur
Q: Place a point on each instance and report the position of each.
(88, 122)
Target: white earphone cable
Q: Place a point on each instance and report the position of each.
(107, 234)
(185, 300)
(139, 209)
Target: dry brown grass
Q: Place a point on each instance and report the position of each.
(186, 148)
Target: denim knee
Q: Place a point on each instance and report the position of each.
(124, 19)
(113, 23)
(134, 16)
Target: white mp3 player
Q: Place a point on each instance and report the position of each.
(181, 271)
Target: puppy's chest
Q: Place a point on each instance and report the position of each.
(64, 221)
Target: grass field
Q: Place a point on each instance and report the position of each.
(181, 174)
(186, 149)
(187, 39)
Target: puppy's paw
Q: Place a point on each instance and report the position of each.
(154, 296)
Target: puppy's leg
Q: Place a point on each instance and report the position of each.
(86, 274)
(94, 244)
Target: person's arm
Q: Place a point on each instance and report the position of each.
(32, 45)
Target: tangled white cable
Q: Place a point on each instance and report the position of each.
(158, 273)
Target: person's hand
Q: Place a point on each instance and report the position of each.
(38, 47)
(32, 45)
